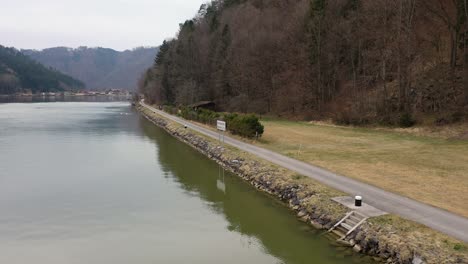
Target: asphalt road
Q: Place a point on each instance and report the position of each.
(436, 218)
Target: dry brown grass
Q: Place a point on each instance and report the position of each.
(397, 234)
(454, 131)
(429, 169)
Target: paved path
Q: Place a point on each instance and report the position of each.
(438, 219)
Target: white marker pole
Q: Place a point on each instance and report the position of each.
(221, 126)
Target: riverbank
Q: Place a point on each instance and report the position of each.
(388, 238)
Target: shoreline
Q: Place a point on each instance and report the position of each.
(58, 95)
(389, 238)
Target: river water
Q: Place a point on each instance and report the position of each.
(95, 183)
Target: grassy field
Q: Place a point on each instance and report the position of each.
(429, 169)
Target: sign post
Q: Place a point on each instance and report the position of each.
(221, 126)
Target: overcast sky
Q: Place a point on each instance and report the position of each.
(117, 24)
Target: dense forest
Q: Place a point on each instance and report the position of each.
(354, 61)
(20, 73)
(98, 68)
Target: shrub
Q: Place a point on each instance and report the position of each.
(457, 117)
(243, 125)
(458, 247)
(350, 117)
(207, 116)
(406, 120)
(170, 109)
(449, 118)
(188, 113)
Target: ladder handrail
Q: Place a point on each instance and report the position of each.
(342, 220)
(356, 226)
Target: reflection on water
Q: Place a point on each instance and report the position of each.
(96, 183)
(220, 182)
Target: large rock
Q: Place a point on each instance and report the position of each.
(357, 248)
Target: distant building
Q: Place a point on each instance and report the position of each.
(209, 105)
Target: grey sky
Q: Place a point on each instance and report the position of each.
(117, 24)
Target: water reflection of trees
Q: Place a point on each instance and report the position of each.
(247, 211)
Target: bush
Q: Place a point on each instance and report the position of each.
(406, 120)
(246, 126)
(188, 113)
(169, 109)
(350, 117)
(458, 247)
(449, 118)
(243, 125)
(207, 116)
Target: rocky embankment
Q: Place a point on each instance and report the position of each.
(388, 238)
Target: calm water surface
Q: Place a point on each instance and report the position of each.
(95, 183)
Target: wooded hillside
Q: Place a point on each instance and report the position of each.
(19, 73)
(99, 68)
(355, 61)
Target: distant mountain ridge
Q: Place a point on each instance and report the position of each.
(99, 68)
(19, 74)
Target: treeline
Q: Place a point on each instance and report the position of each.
(19, 73)
(355, 61)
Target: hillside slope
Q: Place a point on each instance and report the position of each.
(355, 61)
(20, 73)
(99, 68)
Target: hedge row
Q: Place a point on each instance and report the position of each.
(245, 125)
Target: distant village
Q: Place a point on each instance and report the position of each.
(109, 92)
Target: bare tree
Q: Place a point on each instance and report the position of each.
(449, 12)
(466, 52)
(367, 58)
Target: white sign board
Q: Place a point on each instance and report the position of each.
(221, 125)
